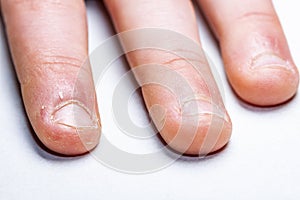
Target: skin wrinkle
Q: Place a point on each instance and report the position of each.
(189, 51)
(187, 61)
(36, 5)
(177, 108)
(150, 11)
(255, 15)
(48, 61)
(193, 97)
(56, 23)
(182, 59)
(48, 43)
(171, 53)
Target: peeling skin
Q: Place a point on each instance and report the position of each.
(190, 60)
(60, 94)
(50, 71)
(185, 89)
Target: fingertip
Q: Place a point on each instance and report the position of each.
(210, 137)
(266, 85)
(69, 130)
(209, 134)
(61, 105)
(255, 51)
(67, 140)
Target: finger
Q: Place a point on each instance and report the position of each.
(48, 42)
(130, 15)
(255, 51)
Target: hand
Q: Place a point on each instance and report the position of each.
(48, 42)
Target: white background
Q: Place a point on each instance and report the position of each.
(261, 161)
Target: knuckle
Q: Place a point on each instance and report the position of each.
(44, 65)
(60, 60)
(38, 4)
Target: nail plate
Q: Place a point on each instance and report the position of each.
(74, 114)
(269, 61)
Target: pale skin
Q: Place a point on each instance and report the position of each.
(254, 49)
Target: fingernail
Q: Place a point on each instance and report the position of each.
(269, 61)
(200, 105)
(75, 115)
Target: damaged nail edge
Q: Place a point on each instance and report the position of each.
(223, 117)
(78, 127)
(94, 121)
(270, 60)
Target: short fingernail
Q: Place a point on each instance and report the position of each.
(74, 114)
(196, 105)
(269, 61)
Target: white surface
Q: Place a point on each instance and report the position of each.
(260, 162)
